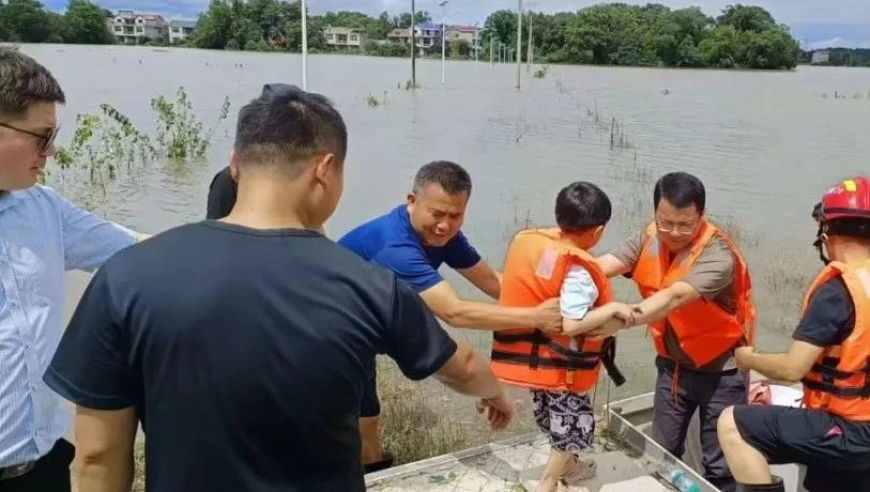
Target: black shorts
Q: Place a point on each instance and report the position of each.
(835, 450)
(370, 405)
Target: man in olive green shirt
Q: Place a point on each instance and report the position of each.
(681, 387)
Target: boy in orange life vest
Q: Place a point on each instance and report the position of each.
(698, 306)
(560, 369)
(830, 354)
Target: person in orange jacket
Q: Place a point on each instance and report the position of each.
(561, 369)
(698, 305)
(830, 354)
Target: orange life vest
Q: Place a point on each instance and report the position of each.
(536, 265)
(705, 331)
(839, 381)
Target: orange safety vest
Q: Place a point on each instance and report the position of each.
(536, 265)
(705, 331)
(839, 381)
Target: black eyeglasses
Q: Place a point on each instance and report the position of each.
(47, 140)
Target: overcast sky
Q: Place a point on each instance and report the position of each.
(817, 22)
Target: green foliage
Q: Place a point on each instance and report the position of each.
(26, 20)
(102, 142)
(746, 18)
(458, 48)
(85, 23)
(606, 34)
(375, 48)
(621, 34)
(541, 72)
(236, 24)
(179, 134)
(106, 141)
(843, 57)
(723, 48)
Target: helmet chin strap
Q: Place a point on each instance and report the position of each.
(819, 244)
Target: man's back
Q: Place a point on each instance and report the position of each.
(245, 352)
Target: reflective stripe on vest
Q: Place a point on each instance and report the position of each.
(703, 329)
(839, 381)
(535, 268)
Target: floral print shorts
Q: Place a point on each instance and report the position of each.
(566, 417)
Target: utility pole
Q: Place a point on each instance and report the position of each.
(491, 48)
(304, 47)
(476, 47)
(413, 47)
(519, 41)
(529, 54)
(443, 40)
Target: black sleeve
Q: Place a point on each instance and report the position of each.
(221, 195)
(414, 338)
(830, 316)
(90, 368)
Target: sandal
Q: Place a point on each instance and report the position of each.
(583, 469)
(383, 464)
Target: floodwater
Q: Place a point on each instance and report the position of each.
(766, 144)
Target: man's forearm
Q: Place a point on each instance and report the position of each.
(772, 366)
(655, 307)
(106, 473)
(492, 317)
(475, 378)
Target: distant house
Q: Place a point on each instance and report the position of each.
(181, 30)
(428, 36)
(130, 27)
(821, 57)
(345, 37)
(467, 33)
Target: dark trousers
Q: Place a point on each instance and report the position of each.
(51, 473)
(675, 404)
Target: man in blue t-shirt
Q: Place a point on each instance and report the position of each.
(414, 240)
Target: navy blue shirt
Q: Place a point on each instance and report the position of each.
(830, 315)
(245, 353)
(390, 241)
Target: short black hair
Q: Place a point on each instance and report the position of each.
(448, 175)
(681, 190)
(23, 82)
(581, 206)
(852, 227)
(285, 126)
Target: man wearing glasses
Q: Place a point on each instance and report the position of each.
(698, 305)
(41, 236)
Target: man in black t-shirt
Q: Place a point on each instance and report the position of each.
(830, 354)
(243, 345)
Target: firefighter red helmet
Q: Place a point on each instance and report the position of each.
(849, 198)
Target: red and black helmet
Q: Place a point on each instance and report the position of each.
(847, 199)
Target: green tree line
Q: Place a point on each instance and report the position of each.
(652, 35)
(277, 24)
(842, 57)
(27, 21)
(608, 34)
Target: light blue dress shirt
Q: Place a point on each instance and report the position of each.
(42, 235)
